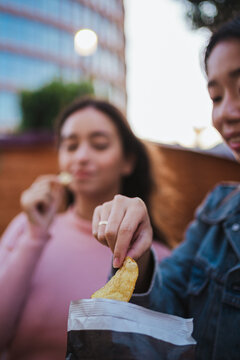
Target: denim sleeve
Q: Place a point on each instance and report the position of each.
(168, 289)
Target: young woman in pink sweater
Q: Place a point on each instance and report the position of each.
(48, 258)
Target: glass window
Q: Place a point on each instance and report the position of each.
(30, 34)
(9, 111)
(51, 8)
(66, 46)
(25, 72)
(78, 15)
(66, 11)
(10, 2)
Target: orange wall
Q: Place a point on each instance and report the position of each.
(192, 174)
(195, 174)
(18, 168)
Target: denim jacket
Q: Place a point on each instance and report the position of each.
(201, 279)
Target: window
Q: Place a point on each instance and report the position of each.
(9, 111)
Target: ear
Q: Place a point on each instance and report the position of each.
(128, 165)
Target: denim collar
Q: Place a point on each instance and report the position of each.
(227, 207)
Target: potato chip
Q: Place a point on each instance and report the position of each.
(122, 284)
(65, 178)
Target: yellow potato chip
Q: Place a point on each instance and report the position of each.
(122, 284)
(65, 178)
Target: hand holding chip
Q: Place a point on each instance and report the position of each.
(42, 199)
(128, 231)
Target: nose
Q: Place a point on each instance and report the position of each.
(226, 114)
(230, 109)
(82, 153)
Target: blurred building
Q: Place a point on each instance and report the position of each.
(36, 46)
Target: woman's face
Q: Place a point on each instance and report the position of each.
(91, 151)
(224, 89)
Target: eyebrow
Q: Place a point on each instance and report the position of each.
(212, 83)
(99, 134)
(232, 74)
(68, 137)
(235, 73)
(94, 134)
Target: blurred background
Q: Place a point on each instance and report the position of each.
(40, 52)
(143, 55)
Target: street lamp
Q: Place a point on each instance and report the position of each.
(85, 42)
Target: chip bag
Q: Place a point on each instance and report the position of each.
(105, 329)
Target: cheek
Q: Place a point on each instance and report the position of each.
(216, 120)
(63, 161)
(111, 162)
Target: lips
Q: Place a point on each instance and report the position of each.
(82, 174)
(235, 145)
(234, 142)
(232, 138)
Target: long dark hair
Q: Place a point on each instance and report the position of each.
(140, 182)
(229, 30)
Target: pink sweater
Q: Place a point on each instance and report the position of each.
(39, 279)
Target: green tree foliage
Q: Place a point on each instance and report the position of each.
(40, 107)
(212, 13)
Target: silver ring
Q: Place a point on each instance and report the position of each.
(103, 222)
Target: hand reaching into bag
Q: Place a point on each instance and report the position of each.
(123, 224)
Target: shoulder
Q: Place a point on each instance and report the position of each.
(17, 223)
(15, 228)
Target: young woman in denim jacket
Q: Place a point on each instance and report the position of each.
(202, 277)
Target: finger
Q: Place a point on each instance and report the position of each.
(115, 219)
(95, 220)
(40, 188)
(48, 178)
(130, 234)
(54, 191)
(95, 225)
(104, 215)
(43, 202)
(48, 183)
(142, 242)
(124, 238)
(30, 198)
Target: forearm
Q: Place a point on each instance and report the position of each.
(167, 290)
(15, 279)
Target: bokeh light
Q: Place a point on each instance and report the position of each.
(85, 42)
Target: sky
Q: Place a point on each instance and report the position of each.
(167, 94)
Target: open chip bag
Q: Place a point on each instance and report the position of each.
(105, 329)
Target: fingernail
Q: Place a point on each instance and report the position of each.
(116, 262)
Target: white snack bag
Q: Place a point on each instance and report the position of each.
(109, 329)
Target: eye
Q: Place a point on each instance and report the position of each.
(100, 145)
(69, 146)
(216, 99)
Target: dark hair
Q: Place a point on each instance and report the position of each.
(229, 30)
(140, 182)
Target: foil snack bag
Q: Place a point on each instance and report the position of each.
(105, 329)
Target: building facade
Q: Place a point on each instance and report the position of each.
(37, 46)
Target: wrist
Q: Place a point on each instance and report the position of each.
(37, 233)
